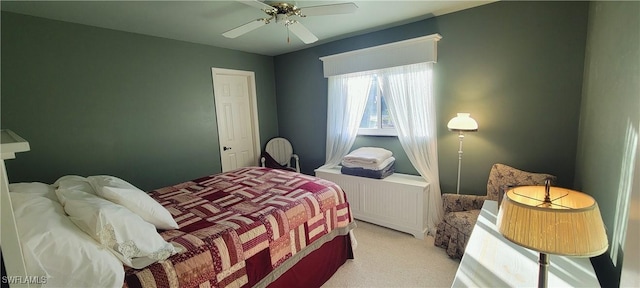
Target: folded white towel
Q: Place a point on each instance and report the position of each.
(367, 155)
(375, 166)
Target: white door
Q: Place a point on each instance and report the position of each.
(237, 114)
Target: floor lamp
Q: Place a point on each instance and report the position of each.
(462, 123)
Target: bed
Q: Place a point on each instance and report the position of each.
(274, 217)
(251, 227)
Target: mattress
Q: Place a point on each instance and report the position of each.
(244, 228)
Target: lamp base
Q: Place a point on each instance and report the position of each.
(544, 267)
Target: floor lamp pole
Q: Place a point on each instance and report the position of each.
(461, 137)
(461, 123)
(542, 273)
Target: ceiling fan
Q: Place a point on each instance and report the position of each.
(286, 13)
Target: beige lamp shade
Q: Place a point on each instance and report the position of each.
(570, 225)
(462, 122)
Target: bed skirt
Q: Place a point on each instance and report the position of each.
(317, 267)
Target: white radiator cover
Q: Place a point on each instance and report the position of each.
(398, 201)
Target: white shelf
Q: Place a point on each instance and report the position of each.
(12, 250)
(12, 144)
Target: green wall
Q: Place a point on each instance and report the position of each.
(517, 67)
(610, 115)
(98, 101)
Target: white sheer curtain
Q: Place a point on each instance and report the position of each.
(408, 91)
(346, 101)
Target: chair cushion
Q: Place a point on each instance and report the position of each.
(454, 231)
(272, 163)
(463, 220)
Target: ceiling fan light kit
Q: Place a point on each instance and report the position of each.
(281, 12)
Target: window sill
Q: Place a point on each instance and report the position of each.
(378, 132)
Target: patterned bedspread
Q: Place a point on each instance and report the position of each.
(237, 227)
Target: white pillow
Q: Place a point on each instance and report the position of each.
(52, 245)
(121, 192)
(135, 242)
(37, 188)
(72, 183)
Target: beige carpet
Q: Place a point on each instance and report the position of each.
(387, 258)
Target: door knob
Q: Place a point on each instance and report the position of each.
(225, 148)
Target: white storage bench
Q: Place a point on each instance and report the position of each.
(398, 201)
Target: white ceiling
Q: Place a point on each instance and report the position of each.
(204, 21)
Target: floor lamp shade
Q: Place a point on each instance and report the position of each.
(462, 122)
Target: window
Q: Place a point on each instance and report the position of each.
(376, 120)
(404, 65)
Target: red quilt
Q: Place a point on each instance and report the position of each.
(237, 227)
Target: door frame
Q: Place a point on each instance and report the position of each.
(251, 79)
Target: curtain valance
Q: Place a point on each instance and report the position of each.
(407, 52)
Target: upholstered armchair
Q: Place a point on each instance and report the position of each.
(461, 211)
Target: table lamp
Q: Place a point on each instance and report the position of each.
(461, 123)
(552, 220)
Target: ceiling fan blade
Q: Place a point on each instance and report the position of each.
(302, 32)
(342, 8)
(235, 32)
(258, 4)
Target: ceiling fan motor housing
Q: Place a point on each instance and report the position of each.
(284, 9)
(281, 18)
